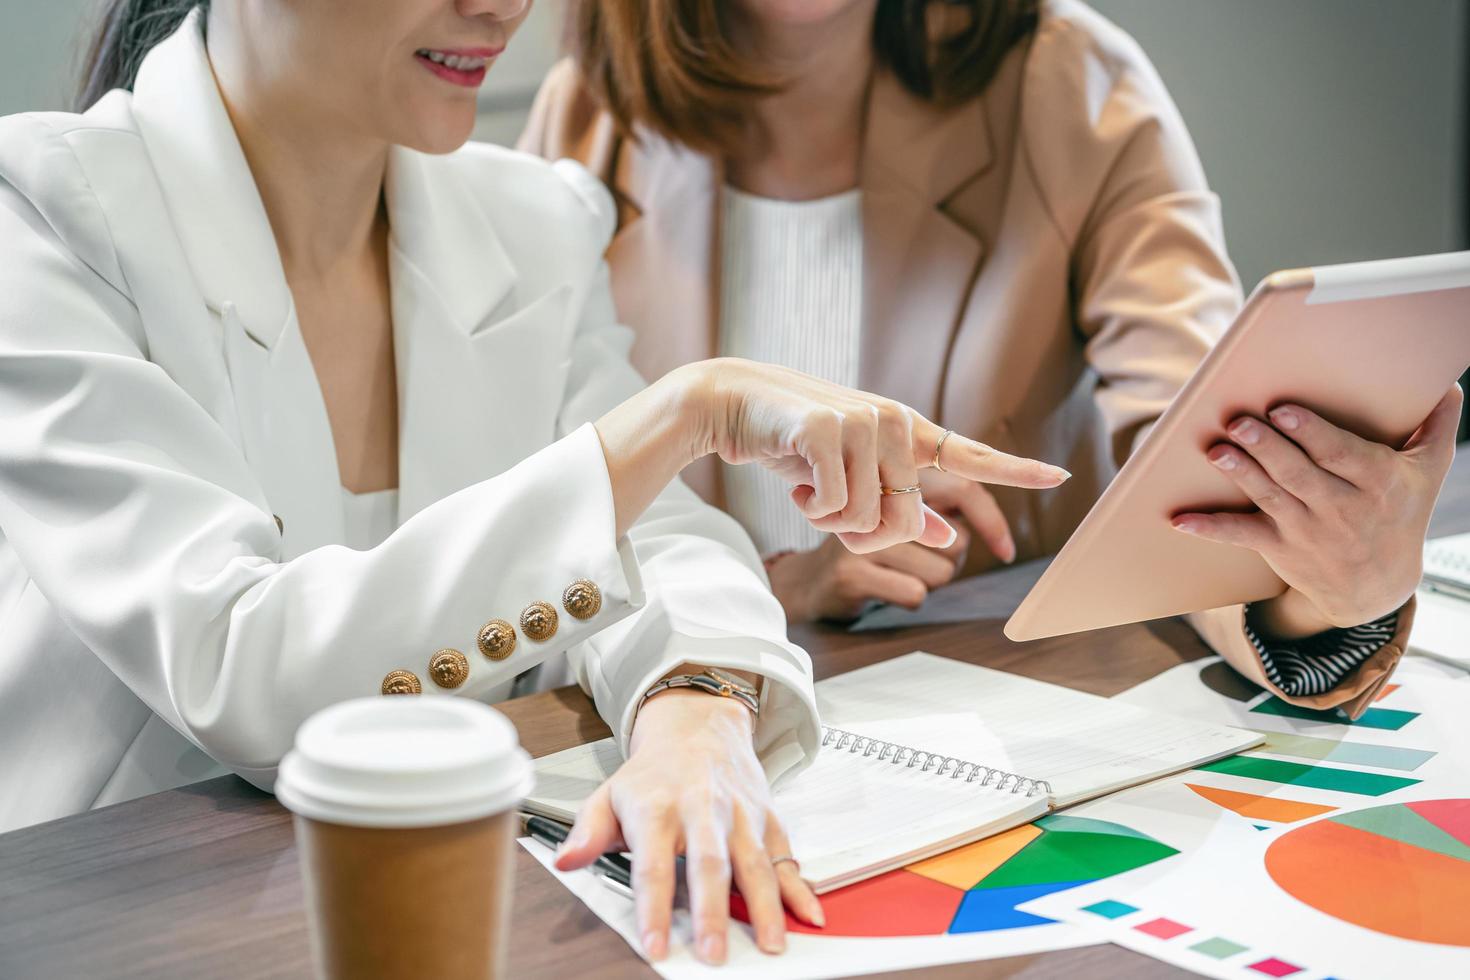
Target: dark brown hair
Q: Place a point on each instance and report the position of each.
(127, 31)
(670, 64)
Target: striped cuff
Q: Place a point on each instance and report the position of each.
(1317, 664)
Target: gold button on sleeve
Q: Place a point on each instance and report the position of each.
(402, 682)
(582, 599)
(497, 639)
(539, 621)
(449, 668)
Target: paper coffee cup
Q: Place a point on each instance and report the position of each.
(405, 821)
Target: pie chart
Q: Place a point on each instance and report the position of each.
(976, 888)
(1401, 870)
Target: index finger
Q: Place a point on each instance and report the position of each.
(976, 461)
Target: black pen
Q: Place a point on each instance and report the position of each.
(553, 834)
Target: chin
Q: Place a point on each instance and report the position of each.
(441, 131)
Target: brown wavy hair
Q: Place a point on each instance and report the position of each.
(672, 66)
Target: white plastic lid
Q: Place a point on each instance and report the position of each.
(404, 762)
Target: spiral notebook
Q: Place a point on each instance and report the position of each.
(921, 754)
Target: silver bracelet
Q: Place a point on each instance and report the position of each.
(711, 680)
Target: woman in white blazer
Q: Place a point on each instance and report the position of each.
(238, 298)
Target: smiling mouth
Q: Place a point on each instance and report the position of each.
(466, 68)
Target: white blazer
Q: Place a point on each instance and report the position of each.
(160, 411)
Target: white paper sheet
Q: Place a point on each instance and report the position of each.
(1223, 913)
(808, 957)
(1237, 921)
(1442, 628)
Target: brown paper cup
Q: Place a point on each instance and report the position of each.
(405, 822)
(407, 903)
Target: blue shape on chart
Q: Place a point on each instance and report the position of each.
(987, 909)
(1260, 826)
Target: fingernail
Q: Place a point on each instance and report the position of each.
(1062, 475)
(954, 535)
(773, 942)
(653, 945)
(1245, 431)
(712, 949)
(1222, 459)
(1184, 526)
(1285, 418)
(818, 917)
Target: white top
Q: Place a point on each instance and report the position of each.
(368, 518)
(791, 293)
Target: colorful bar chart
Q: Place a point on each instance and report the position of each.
(1351, 753)
(1260, 807)
(1315, 777)
(1387, 719)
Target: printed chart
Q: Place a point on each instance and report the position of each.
(976, 888)
(1350, 851)
(1374, 867)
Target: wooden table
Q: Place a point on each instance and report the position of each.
(202, 881)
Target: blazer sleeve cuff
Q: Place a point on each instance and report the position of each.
(787, 732)
(1225, 631)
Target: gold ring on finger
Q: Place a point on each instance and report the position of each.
(888, 491)
(940, 445)
(787, 857)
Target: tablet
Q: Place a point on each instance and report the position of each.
(1370, 346)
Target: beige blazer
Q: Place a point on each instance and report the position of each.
(1044, 266)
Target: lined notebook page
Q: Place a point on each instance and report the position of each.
(1081, 744)
(848, 816)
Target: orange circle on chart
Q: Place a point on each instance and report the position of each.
(1402, 870)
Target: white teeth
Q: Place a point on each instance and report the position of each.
(453, 61)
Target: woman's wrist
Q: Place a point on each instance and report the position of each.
(648, 439)
(1289, 616)
(682, 714)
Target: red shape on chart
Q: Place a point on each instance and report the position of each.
(1162, 928)
(1273, 967)
(899, 903)
(1451, 816)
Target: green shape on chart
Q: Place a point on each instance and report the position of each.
(1087, 825)
(1218, 948)
(1260, 826)
(1057, 856)
(1402, 824)
(1317, 777)
(1352, 753)
(1389, 719)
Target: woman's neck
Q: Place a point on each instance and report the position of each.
(805, 141)
(321, 184)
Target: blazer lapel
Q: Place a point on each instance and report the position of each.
(217, 213)
(919, 264)
(479, 365)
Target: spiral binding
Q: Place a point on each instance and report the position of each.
(940, 765)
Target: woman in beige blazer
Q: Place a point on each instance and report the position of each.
(1042, 265)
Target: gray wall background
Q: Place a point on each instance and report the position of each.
(1334, 130)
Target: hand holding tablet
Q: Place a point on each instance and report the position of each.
(1329, 515)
